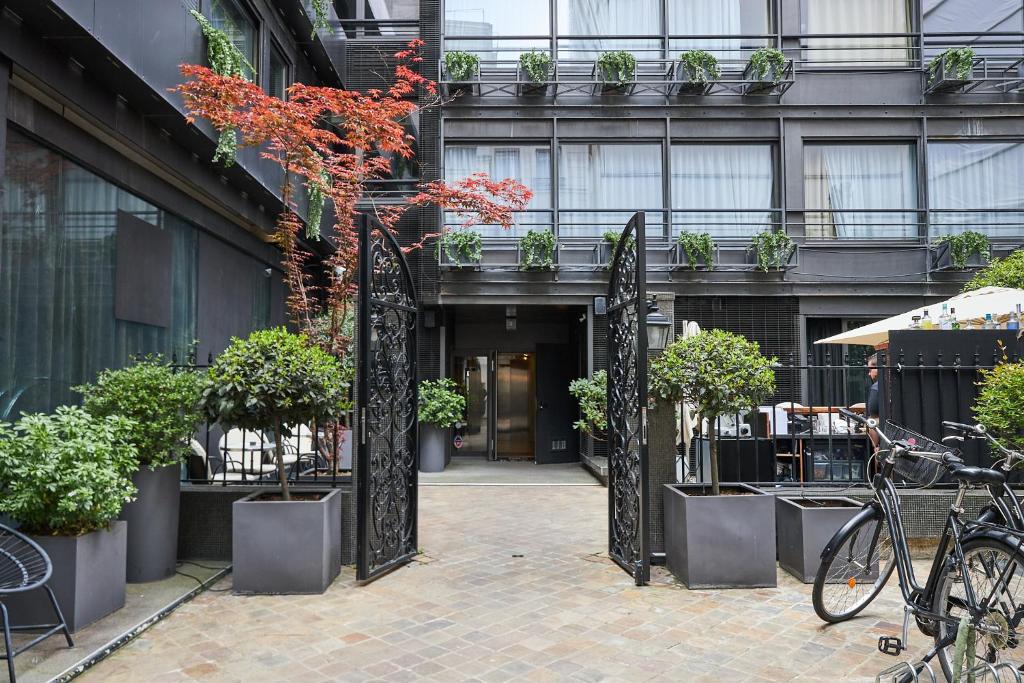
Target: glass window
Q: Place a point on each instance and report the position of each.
(601, 185)
(976, 186)
(605, 18)
(58, 274)
(238, 25)
(725, 190)
(278, 78)
(482, 18)
(729, 29)
(868, 18)
(860, 191)
(972, 23)
(529, 164)
(392, 10)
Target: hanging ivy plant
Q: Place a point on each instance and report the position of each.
(697, 246)
(461, 66)
(773, 249)
(612, 238)
(320, 15)
(765, 61)
(964, 245)
(537, 249)
(316, 192)
(960, 60)
(461, 246)
(536, 65)
(618, 67)
(225, 60)
(701, 66)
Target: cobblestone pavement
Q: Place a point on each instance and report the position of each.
(513, 584)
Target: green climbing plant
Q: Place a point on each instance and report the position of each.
(764, 61)
(697, 245)
(960, 60)
(537, 249)
(536, 65)
(461, 66)
(461, 246)
(773, 249)
(701, 66)
(225, 60)
(618, 67)
(963, 245)
(320, 16)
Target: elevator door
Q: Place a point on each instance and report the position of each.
(515, 410)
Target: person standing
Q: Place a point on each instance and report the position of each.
(871, 406)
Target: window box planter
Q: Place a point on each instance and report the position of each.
(680, 261)
(609, 84)
(688, 81)
(763, 85)
(945, 77)
(527, 87)
(289, 547)
(789, 264)
(725, 541)
(469, 88)
(152, 520)
(433, 446)
(467, 264)
(942, 258)
(805, 525)
(88, 579)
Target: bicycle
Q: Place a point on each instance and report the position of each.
(861, 556)
(1005, 508)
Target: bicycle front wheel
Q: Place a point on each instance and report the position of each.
(995, 571)
(855, 572)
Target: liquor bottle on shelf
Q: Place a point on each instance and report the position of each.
(1014, 322)
(915, 323)
(926, 321)
(945, 322)
(990, 324)
(954, 324)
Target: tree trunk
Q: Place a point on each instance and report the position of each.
(713, 457)
(282, 473)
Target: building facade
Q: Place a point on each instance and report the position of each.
(857, 150)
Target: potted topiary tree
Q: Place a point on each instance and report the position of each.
(64, 478)
(163, 405)
(1000, 403)
(717, 536)
(278, 380)
(441, 406)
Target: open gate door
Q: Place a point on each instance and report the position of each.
(387, 462)
(628, 494)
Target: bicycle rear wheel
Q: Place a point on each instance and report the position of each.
(855, 572)
(996, 573)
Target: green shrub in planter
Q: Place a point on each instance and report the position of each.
(162, 403)
(765, 62)
(461, 66)
(440, 402)
(274, 379)
(702, 66)
(592, 394)
(66, 474)
(461, 246)
(773, 249)
(955, 61)
(536, 65)
(617, 68)
(1000, 272)
(963, 245)
(718, 372)
(537, 249)
(697, 246)
(1000, 403)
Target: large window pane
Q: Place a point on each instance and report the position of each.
(857, 191)
(863, 17)
(969, 22)
(965, 178)
(725, 190)
(730, 29)
(278, 77)
(480, 18)
(601, 186)
(392, 10)
(529, 164)
(235, 22)
(605, 18)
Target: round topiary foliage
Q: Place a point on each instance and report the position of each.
(1000, 403)
(163, 403)
(68, 473)
(1000, 272)
(440, 402)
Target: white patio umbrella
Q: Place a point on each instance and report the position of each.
(998, 301)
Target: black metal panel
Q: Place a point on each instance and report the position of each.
(628, 494)
(386, 471)
(142, 289)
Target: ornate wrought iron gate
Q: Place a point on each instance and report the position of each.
(387, 463)
(628, 525)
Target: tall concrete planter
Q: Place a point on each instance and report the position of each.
(433, 447)
(289, 547)
(153, 524)
(725, 541)
(88, 579)
(805, 525)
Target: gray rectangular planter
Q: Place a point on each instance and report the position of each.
(88, 579)
(725, 541)
(153, 524)
(805, 525)
(286, 547)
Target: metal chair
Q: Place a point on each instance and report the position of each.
(25, 566)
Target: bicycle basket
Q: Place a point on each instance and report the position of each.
(915, 468)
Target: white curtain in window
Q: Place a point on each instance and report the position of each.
(860, 190)
(730, 178)
(609, 17)
(858, 16)
(966, 176)
(720, 18)
(496, 18)
(601, 186)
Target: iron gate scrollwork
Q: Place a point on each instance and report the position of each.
(387, 458)
(628, 524)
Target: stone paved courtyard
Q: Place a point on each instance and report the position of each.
(513, 584)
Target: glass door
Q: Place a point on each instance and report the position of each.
(472, 372)
(516, 406)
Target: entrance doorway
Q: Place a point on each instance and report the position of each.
(500, 390)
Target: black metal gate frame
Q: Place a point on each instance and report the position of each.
(628, 483)
(388, 459)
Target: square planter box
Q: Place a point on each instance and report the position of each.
(688, 82)
(942, 258)
(681, 262)
(608, 83)
(752, 260)
(152, 520)
(286, 547)
(761, 86)
(946, 79)
(725, 541)
(527, 87)
(88, 579)
(805, 525)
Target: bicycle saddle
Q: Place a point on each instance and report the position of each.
(976, 475)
